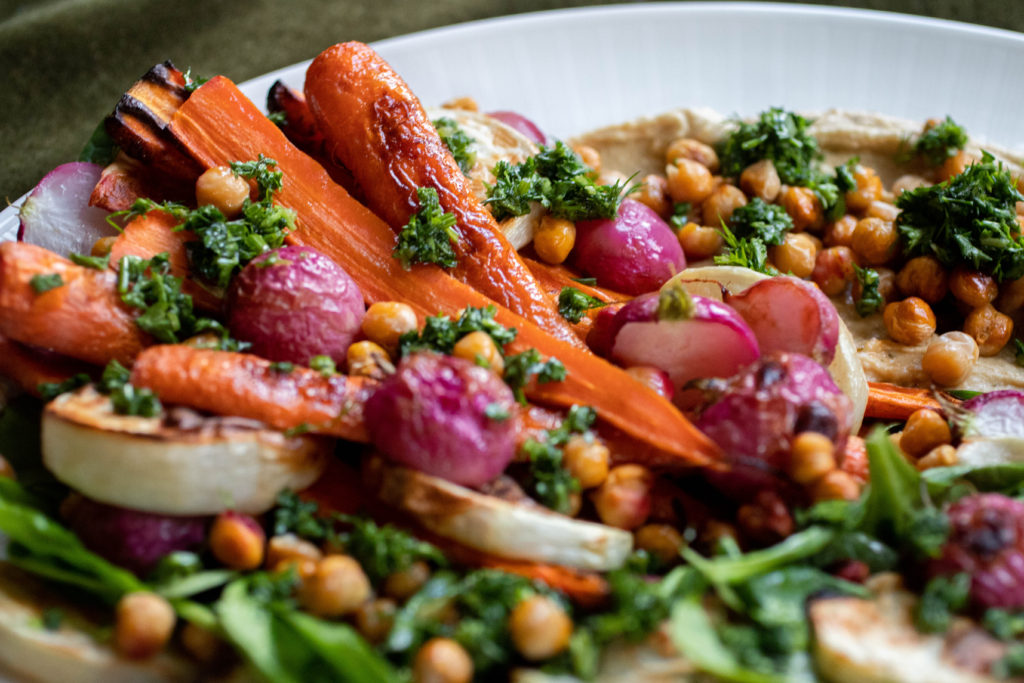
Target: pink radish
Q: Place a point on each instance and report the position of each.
(521, 124)
(789, 314)
(57, 215)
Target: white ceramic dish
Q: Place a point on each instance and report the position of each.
(572, 70)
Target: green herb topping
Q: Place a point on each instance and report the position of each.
(870, 299)
(548, 481)
(940, 142)
(759, 220)
(457, 142)
(428, 236)
(779, 136)
(680, 212)
(520, 368)
(574, 304)
(95, 262)
(440, 333)
(746, 253)
(282, 366)
(942, 598)
(51, 390)
(324, 365)
(45, 282)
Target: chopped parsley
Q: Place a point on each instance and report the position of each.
(574, 304)
(520, 368)
(779, 136)
(278, 118)
(870, 299)
(548, 481)
(282, 366)
(324, 365)
(680, 212)
(1019, 351)
(942, 598)
(940, 142)
(497, 411)
(969, 219)
(746, 253)
(457, 142)
(132, 400)
(44, 282)
(759, 220)
(51, 390)
(96, 262)
(192, 82)
(440, 333)
(428, 236)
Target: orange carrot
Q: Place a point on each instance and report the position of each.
(891, 402)
(855, 459)
(555, 278)
(245, 385)
(83, 318)
(376, 126)
(30, 368)
(587, 589)
(217, 124)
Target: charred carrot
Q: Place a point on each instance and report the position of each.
(891, 402)
(376, 126)
(554, 279)
(82, 316)
(218, 125)
(245, 385)
(30, 368)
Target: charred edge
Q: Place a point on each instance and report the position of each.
(169, 77)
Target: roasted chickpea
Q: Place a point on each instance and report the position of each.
(403, 584)
(694, 150)
(289, 547)
(366, 359)
(1011, 296)
(386, 321)
(654, 194)
(624, 499)
(237, 541)
(910, 321)
(811, 457)
(875, 241)
(795, 255)
(699, 241)
(589, 156)
(804, 207)
(990, 328)
(720, 204)
(906, 183)
(833, 269)
(949, 359)
(924, 277)
(554, 239)
(102, 246)
(223, 189)
(869, 189)
(612, 178)
(940, 456)
(204, 645)
(442, 660)
(835, 485)
(761, 180)
(840, 233)
(478, 347)
(883, 210)
(466, 103)
(143, 624)
(766, 519)
(587, 460)
(972, 287)
(925, 429)
(539, 628)
(662, 541)
(375, 618)
(954, 165)
(336, 588)
(689, 181)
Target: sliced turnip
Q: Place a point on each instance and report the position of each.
(998, 413)
(791, 315)
(57, 214)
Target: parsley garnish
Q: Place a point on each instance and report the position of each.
(942, 598)
(97, 262)
(131, 400)
(870, 299)
(940, 142)
(44, 282)
(497, 411)
(51, 390)
(440, 333)
(746, 253)
(457, 142)
(549, 482)
(278, 118)
(1002, 624)
(757, 219)
(777, 135)
(282, 366)
(428, 236)
(521, 367)
(573, 304)
(191, 83)
(971, 218)
(324, 365)
(680, 211)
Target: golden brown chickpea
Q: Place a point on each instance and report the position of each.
(465, 102)
(924, 277)
(796, 254)
(875, 241)
(720, 204)
(694, 150)
(204, 645)
(386, 321)
(910, 321)
(336, 588)
(761, 180)
(949, 359)
(833, 269)
(442, 660)
(237, 541)
(624, 499)
(553, 239)
(662, 541)
(102, 246)
(539, 628)
(869, 189)
(940, 456)
(143, 624)
(840, 233)
(612, 178)
(972, 287)
(654, 194)
(375, 618)
(1011, 296)
(402, 585)
(836, 485)
(479, 347)
(689, 181)
(990, 328)
(811, 457)
(223, 189)
(906, 183)
(286, 547)
(699, 242)
(589, 156)
(925, 429)
(804, 207)
(587, 460)
(883, 210)
(954, 165)
(366, 359)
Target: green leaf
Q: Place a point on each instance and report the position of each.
(745, 253)
(261, 638)
(777, 135)
(757, 219)
(732, 570)
(1001, 477)
(943, 597)
(894, 495)
(100, 148)
(428, 236)
(340, 647)
(457, 142)
(520, 368)
(870, 299)
(51, 390)
(44, 282)
(940, 142)
(573, 304)
(95, 262)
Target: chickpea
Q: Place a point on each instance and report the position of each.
(694, 150)
(883, 210)
(336, 588)
(442, 660)
(386, 321)
(923, 277)
(761, 180)
(374, 619)
(288, 547)
(554, 239)
(972, 287)
(403, 584)
(833, 269)
(840, 233)
(1011, 296)
(766, 519)
(662, 541)
(910, 321)
(804, 207)
(654, 194)
(811, 457)
(589, 156)
(990, 328)
(588, 461)
(624, 499)
(237, 541)
(366, 359)
(940, 456)
(875, 241)
(795, 255)
(720, 204)
(689, 181)
(699, 242)
(949, 359)
(143, 624)
(907, 183)
(478, 347)
(925, 429)
(202, 643)
(836, 485)
(539, 628)
(222, 188)
(466, 103)
(869, 189)
(103, 246)
(612, 178)
(655, 378)
(954, 165)
(715, 531)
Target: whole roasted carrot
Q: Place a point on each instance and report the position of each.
(30, 368)
(554, 279)
(892, 402)
(218, 125)
(376, 126)
(82, 317)
(245, 385)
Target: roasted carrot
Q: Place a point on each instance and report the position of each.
(245, 385)
(31, 368)
(376, 126)
(891, 402)
(855, 459)
(218, 125)
(83, 317)
(555, 278)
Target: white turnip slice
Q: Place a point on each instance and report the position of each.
(57, 215)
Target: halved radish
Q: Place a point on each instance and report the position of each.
(201, 466)
(57, 214)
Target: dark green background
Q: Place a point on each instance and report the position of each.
(63, 63)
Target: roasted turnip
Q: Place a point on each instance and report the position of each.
(57, 214)
(522, 124)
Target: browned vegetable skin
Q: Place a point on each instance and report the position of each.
(29, 368)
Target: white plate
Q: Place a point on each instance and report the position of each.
(572, 70)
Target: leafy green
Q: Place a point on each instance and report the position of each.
(943, 597)
(777, 135)
(44, 282)
(440, 333)
(132, 400)
(1002, 624)
(746, 253)
(870, 299)
(573, 304)
(457, 142)
(759, 220)
(95, 262)
(278, 118)
(100, 148)
(548, 481)
(680, 211)
(521, 367)
(1012, 663)
(20, 431)
(428, 236)
(940, 142)
(964, 394)
(969, 219)
(51, 390)
(324, 365)
(731, 570)
(292, 515)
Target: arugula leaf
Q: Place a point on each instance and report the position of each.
(521, 367)
(457, 142)
(428, 236)
(757, 219)
(940, 142)
(732, 570)
(573, 304)
(44, 282)
(100, 148)
(943, 597)
(870, 300)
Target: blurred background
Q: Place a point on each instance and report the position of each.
(64, 63)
